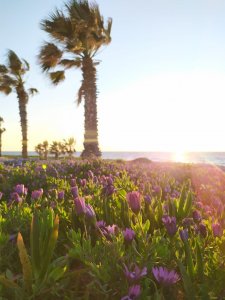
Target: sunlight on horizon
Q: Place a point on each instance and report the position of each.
(179, 156)
(176, 112)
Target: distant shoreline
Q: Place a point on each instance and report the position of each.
(216, 158)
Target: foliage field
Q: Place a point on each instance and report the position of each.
(111, 230)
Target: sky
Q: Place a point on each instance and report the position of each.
(161, 81)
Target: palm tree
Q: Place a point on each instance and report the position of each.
(45, 148)
(12, 80)
(70, 146)
(56, 148)
(1, 132)
(76, 36)
(42, 150)
(39, 149)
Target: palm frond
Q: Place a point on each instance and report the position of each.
(5, 89)
(57, 77)
(49, 56)
(8, 80)
(32, 91)
(3, 69)
(26, 65)
(79, 28)
(14, 63)
(75, 46)
(58, 26)
(70, 63)
(109, 27)
(78, 10)
(80, 94)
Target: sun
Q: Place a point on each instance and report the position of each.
(180, 156)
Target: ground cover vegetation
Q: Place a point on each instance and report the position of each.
(111, 230)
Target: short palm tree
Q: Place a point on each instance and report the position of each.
(70, 146)
(42, 150)
(1, 132)
(12, 80)
(76, 36)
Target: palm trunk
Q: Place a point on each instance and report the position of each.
(91, 147)
(23, 99)
(1, 132)
(0, 143)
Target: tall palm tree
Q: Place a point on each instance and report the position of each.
(1, 132)
(77, 33)
(12, 80)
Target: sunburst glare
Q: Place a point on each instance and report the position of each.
(180, 156)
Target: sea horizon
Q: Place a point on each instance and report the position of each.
(211, 157)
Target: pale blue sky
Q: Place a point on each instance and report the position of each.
(161, 81)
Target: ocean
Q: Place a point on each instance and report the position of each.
(217, 158)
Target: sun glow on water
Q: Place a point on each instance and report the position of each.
(180, 156)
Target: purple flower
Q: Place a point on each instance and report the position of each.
(16, 197)
(187, 222)
(184, 234)
(148, 199)
(170, 224)
(134, 201)
(73, 182)
(128, 235)
(35, 195)
(101, 224)
(199, 204)
(202, 230)
(107, 231)
(83, 182)
(112, 229)
(12, 237)
(90, 174)
(74, 191)
(133, 293)
(135, 273)
(164, 276)
(103, 180)
(61, 195)
(217, 230)
(90, 213)
(80, 206)
(19, 189)
(109, 180)
(95, 179)
(196, 216)
(167, 189)
(1, 194)
(175, 194)
(109, 189)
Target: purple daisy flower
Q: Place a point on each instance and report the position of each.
(128, 235)
(217, 230)
(80, 206)
(134, 201)
(164, 276)
(135, 273)
(170, 224)
(133, 293)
